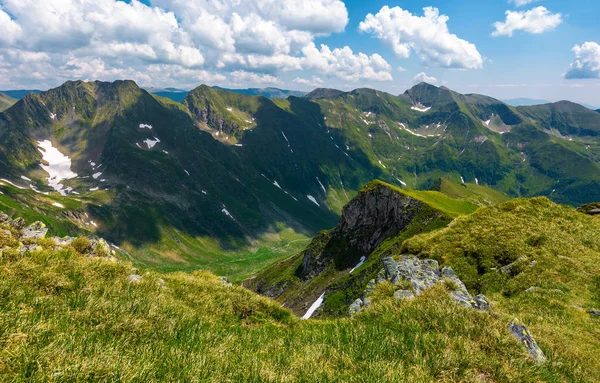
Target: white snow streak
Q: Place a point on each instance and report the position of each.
(314, 307)
(151, 143)
(362, 260)
(313, 200)
(145, 126)
(322, 187)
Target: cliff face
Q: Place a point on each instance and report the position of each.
(377, 213)
(341, 261)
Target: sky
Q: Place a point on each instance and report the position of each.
(542, 49)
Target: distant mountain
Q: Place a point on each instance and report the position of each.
(19, 94)
(6, 102)
(174, 94)
(266, 92)
(525, 102)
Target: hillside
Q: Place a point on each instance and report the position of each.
(68, 314)
(266, 92)
(6, 102)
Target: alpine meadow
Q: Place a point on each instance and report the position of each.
(299, 191)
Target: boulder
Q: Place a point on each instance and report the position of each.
(355, 307)
(527, 341)
(18, 223)
(36, 230)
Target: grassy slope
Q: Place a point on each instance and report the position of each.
(6, 102)
(556, 251)
(64, 317)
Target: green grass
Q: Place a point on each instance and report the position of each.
(65, 317)
(448, 205)
(553, 249)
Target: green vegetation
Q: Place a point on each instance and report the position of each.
(6, 102)
(66, 317)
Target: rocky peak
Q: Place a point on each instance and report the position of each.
(376, 213)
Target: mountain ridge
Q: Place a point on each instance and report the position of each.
(239, 171)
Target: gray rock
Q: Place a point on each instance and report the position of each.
(134, 278)
(481, 302)
(225, 281)
(367, 303)
(18, 223)
(355, 307)
(36, 230)
(512, 270)
(4, 218)
(404, 294)
(594, 212)
(527, 341)
(391, 269)
(594, 313)
(463, 299)
(66, 241)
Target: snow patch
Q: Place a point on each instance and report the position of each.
(360, 263)
(53, 116)
(277, 184)
(25, 178)
(314, 307)
(462, 180)
(476, 181)
(96, 175)
(313, 200)
(227, 213)
(95, 189)
(487, 123)
(151, 143)
(186, 172)
(165, 152)
(230, 109)
(380, 163)
(58, 168)
(145, 126)
(58, 205)
(420, 108)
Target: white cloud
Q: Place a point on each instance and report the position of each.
(401, 69)
(55, 40)
(344, 64)
(428, 36)
(536, 20)
(241, 77)
(9, 30)
(422, 77)
(587, 61)
(314, 81)
(520, 3)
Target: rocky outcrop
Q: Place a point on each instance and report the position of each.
(527, 341)
(205, 112)
(420, 275)
(378, 212)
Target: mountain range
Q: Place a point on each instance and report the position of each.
(233, 182)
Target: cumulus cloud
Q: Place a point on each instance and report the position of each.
(428, 36)
(344, 64)
(314, 81)
(537, 20)
(422, 77)
(242, 41)
(587, 61)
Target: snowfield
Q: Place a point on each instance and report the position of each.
(59, 166)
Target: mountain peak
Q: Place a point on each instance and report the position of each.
(320, 93)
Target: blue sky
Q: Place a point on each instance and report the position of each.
(302, 44)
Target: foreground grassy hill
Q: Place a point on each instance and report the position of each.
(66, 315)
